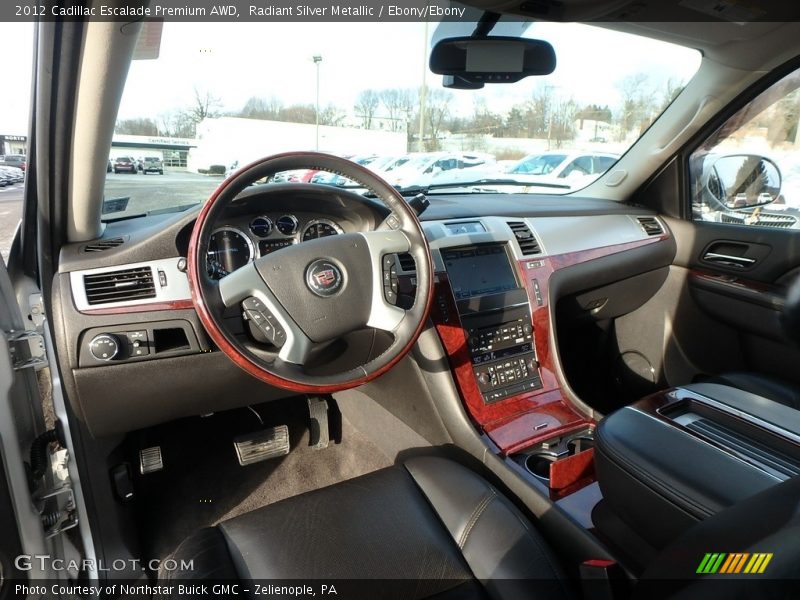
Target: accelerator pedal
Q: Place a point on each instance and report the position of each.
(319, 432)
(150, 460)
(261, 445)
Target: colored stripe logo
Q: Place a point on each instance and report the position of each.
(734, 563)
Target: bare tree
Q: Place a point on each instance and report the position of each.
(205, 105)
(366, 106)
(142, 126)
(332, 115)
(262, 108)
(176, 123)
(400, 105)
(637, 107)
(438, 106)
(299, 113)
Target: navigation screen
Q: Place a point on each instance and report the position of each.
(478, 270)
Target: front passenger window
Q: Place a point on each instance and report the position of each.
(748, 171)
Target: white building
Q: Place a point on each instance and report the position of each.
(173, 151)
(228, 140)
(13, 144)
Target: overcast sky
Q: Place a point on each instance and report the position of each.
(239, 60)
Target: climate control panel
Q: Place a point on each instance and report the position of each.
(503, 353)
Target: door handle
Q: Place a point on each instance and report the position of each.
(739, 262)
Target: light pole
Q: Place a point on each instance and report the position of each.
(317, 59)
(423, 92)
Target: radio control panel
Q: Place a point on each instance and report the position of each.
(504, 358)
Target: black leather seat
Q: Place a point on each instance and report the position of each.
(762, 385)
(430, 523)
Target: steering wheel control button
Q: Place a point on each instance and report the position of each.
(392, 222)
(390, 281)
(388, 262)
(253, 303)
(104, 347)
(324, 278)
(259, 315)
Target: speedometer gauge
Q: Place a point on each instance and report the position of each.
(228, 250)
(319, 228)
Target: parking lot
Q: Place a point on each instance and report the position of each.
(10, 214)
(153, 192)
(146, 193)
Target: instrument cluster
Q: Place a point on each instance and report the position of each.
(239, 242)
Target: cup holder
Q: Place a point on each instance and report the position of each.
(579, 444)
(538, 462)
(538, 465)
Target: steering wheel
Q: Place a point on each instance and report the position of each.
(314, 292)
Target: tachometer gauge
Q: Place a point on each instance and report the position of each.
(319, 228)
(228, 250)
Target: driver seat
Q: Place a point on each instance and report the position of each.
(431, 526)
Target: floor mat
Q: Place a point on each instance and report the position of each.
(202, 482)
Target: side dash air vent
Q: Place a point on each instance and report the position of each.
(525, 238)
(102, 245)
(407, 263)
(120, 286)
(650, 225)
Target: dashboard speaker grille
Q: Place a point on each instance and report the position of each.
(119, 286)
(103, 245)
(650, 225)
(525, 238)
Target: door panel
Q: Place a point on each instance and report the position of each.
(741, 246)
(20, 421)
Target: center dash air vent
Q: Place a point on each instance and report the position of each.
(102, 245)
(527, 242)
(650, 225)
(120, 286)
(407, 263)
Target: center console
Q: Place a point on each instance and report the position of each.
(496, 317)
(492, 311)
(682, 455)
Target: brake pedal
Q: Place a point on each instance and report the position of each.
(150, 460)
(267, 443)
(319, 432)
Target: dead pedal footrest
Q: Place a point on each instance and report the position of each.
(261, 445)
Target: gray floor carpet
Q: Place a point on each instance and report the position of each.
(202, 482)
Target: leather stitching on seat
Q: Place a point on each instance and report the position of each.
(475, 516)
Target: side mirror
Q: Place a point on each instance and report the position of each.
(740, 181)
(492, 59)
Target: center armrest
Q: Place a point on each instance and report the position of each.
(678, 457)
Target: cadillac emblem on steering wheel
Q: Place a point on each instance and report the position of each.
(324, 278)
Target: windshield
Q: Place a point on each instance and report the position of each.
(232, 93)
(539, 165)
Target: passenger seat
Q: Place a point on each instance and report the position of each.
(762, 385)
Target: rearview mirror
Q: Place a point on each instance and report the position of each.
(744, 181)
(492, 59)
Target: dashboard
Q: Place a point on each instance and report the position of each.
(493, 292)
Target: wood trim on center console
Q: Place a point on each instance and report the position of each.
(529, 418)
